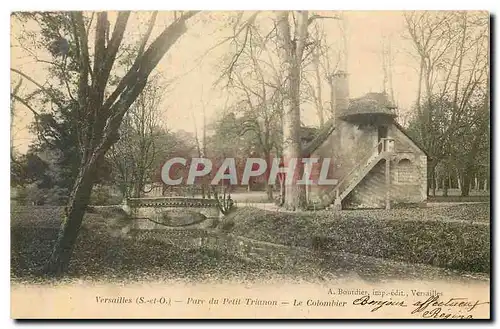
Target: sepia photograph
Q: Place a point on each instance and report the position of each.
(288, 164)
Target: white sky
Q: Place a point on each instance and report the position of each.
(365, 67)
(194, 83)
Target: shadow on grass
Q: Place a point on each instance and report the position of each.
(101, 255)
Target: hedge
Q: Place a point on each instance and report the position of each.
(459, 245)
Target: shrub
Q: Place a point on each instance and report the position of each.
(31, 195)
(20, 194)
(227, 224)
(56, 196)
(103, 196)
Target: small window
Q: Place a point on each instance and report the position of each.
(405, 172)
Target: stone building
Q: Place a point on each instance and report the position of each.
(375, 162)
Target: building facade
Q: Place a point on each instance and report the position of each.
(375, 162)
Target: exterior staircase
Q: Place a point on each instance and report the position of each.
(383, 150)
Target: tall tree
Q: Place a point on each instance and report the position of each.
(100, 108)
(259, 97)
(137, 152)
(452, 50)
(292, 45)
(326, 61)
(292, 49)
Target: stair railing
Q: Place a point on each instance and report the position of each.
(362, 163)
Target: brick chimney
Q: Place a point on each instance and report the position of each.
(340, 92)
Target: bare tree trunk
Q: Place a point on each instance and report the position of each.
(419, 90)
(78, 201)
(269, 187)
(319, 97)
(138, 186)
(434, 183)
(295, 196)
(332, 96)
(446, 182)
(206, 182)
(446, 177)
(269, 192)
(466, 184)
(431, 178)
(282, 192)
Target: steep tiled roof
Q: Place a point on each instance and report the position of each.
(321, 134)
(403, 130)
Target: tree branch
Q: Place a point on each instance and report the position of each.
(145, 63)
(22, 101)
(314, 17)
(50, 94)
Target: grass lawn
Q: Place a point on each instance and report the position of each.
(103, 254)
(456, 237)
(462, 212)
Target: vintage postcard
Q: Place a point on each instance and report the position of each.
(250, 164)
